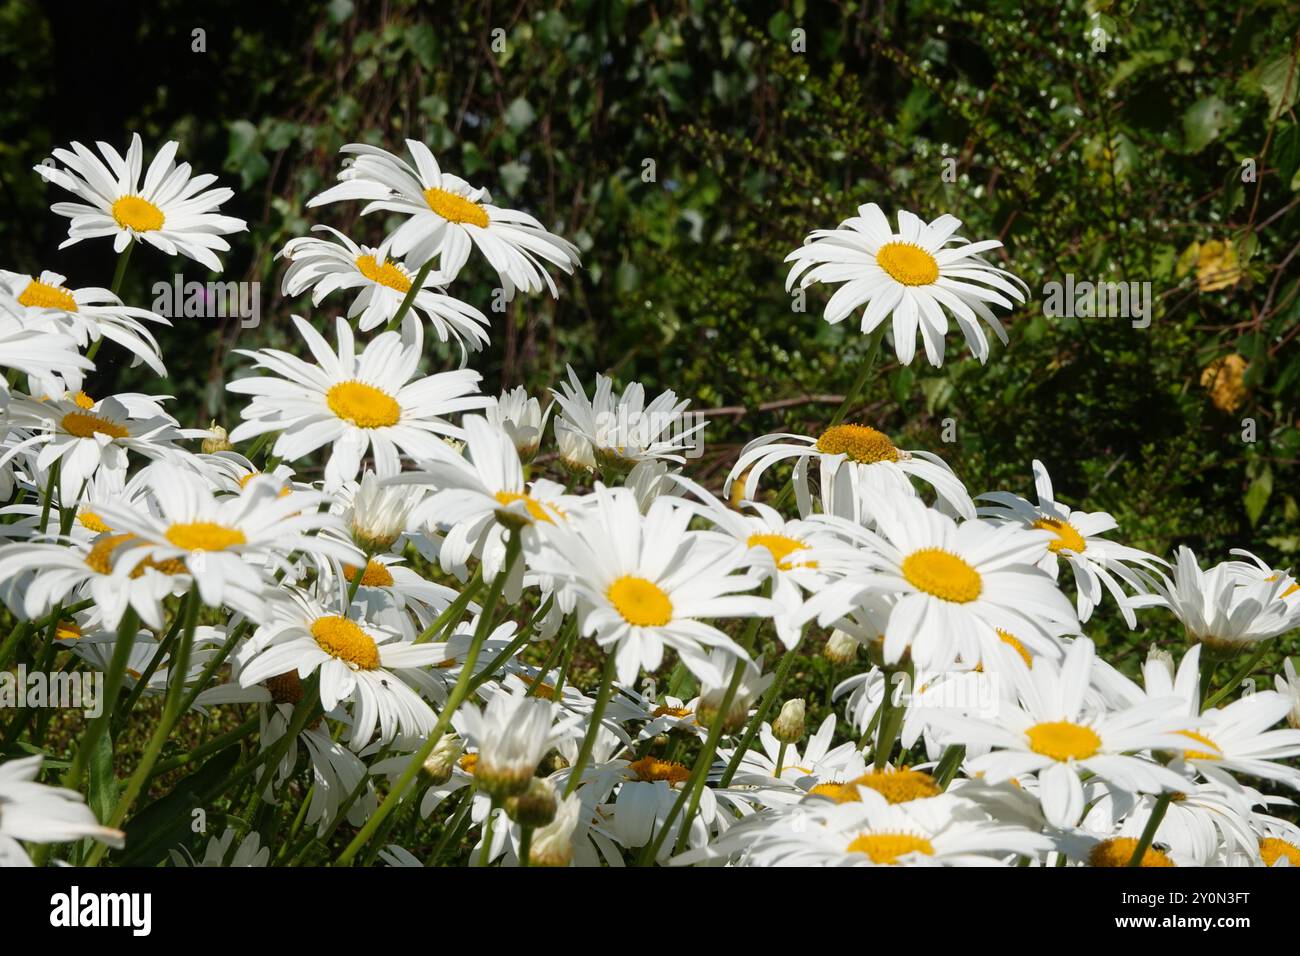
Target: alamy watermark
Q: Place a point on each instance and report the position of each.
(1101, 300)
(209, 300)
(62, 689)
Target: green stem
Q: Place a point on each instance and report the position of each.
(409, 299)
(760, 715)
(452, 612)
(126, 631)
(593, 727)
(458, 694)
(1149, 831)
(1235, 679)
(891, 720)
(525, 845)
(948, 764)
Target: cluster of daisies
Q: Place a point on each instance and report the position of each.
(430, 635)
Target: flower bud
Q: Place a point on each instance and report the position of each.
(788, 727)
(217, 440)
(441, 761)
(841, 648)
(535, 807)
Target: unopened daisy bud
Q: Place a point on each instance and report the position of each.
(217, 440)
(440, 763)
(841, 648)
(535, 807)
(789, 725)
(575, 451)
(521, 418)
(553, 843)
(380, 513)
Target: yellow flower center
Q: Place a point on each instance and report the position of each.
(907, 263)
(38, 295)
(376, 574)
(132, 212)
(388, 273)
(943, 575)
(862, 443)
(663, 710)
(1273, 849)
(1012, 640)
(85, 425)
(363, 405)
(1067, 539)
(82, 400)
(1212, 752)
(100, 558)
(898, 786)
(642, 603)
(536, 510)
(455, 208)
(1063, 740)
(468, 763)
(343, 639)
(67, 630)
(837, 792)
(1117, 851)
(92, 522)
(888, 847)
(204, 536)
(781, 547)
(652, 769)
(243, 482)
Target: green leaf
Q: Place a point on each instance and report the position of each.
(1279, 80)
(1257, 495)
(1204, 121)
(165, 823)
(104, 786)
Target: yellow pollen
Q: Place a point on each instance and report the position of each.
(838, 792)
(82, 400)
(1273, 849)
(455, 208)
(92, 522)
(1012, 640)
(468, 763)
(1067, 539)
(943, 575)
(100, 556)
(1062, 740)
(664, 710)
(781, 548)
(85, 425)
(1213, 751)
(376, 574)
(907, 263)
(363, 405)
(1117, 851)
(388, 274)
(652, 769)
(204, 536)
(899, 786)
(536, 510)
(67, 630)
(888, 847)
(344, 640)
(38, 295)
(641, 603)
(862, 443)
(132, 212)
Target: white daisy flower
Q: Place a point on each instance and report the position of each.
(447, 215)
(859, 468)
(920, 275)
(88, 315)
(372, 402)
(959, 585)
(512, 734)
(1095, 560)
(86, 436)
(1050, 732)
(324, 266)
(46, 354)
(520, 417)
(35, 813)
(621, 432)
(942, 831)
(646, 583)
(358, 662)
(227, 544)
(1222, 608)
(248, 853)
(1288, 685)
(171, 210)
